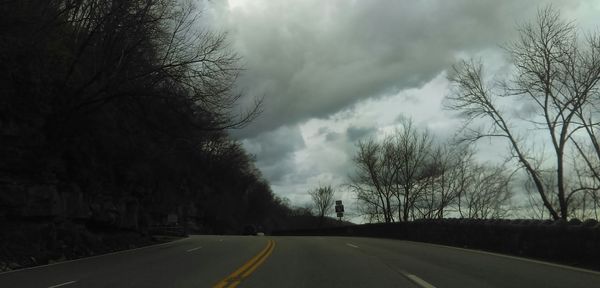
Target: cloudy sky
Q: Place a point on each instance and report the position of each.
(333, 72)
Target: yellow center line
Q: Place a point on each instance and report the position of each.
(248, 268)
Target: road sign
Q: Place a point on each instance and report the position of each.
(339, 209)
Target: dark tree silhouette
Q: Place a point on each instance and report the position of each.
(323, 200)
(558, 75)
(120, 110)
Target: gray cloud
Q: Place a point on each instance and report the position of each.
(333, 136)
(313, 58)
(356, 133)
(275, 149)
(322, 59)
(273, 146)
(323, 130)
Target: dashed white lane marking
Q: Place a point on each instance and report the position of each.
(62, 284)
(415, 279)
(351, 245)
(193, 249)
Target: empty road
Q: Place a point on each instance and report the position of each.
(252, 261)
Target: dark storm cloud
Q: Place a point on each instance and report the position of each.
(357, 133)
(275, 150)
(279, 144)
(333, 136)
(313, 58)
(276, 172)
(323, 130)
(319, 59)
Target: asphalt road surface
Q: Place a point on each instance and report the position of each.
(254, 261)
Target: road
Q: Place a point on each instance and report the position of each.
(253, 261)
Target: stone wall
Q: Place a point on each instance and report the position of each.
(574, 242)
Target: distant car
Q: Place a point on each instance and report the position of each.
(260, 231)
(249, 230)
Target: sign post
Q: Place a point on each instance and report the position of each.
(339, 209)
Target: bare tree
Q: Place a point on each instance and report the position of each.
(537, 209)
(389, 176)
(488, 194)
(184, 58)
(552, 73)
(448, 167)
(368, 183)
(585, 199)
(323, 199)
(458, 184)
(408, 174)
(412, 149)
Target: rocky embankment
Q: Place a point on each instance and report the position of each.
(44, 218)
(25, 244)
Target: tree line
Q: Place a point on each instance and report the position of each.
(407, 176)
(554, 76)
(126, 105)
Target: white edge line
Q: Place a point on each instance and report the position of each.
(415, 279)
(62, 284)
(510, 257)
(92, 257)
(193, 249)
(351, 245)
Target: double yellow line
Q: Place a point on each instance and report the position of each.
(243, 272)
